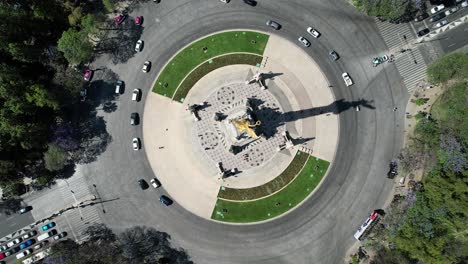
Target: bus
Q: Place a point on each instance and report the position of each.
(367, 225)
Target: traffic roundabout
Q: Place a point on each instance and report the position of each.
(319, 228)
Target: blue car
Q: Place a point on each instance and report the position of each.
(48, 226)
(165, 200)
(25, 244)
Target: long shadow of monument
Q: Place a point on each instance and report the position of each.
(272, 119)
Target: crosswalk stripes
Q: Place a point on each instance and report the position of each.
(411, 64)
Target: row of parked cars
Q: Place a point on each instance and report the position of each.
(315, 34)
(27, 240)
(135, 117)
(439, 12)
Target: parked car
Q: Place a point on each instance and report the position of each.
(423, 32)
(157, 1)
(155, 182)
(25, 209)
(436, 9)
(41, 245)
(119, 85)
(119, 19)
(464, 4)
(333, 55)
(437, 17)
(143, 184)
(225, 1)
(61, 235)
(451, 10)
(24, 253)
(139, 45)
(393, 170)
(134, 119)
(83, 94)
(26, 244)
(347, 79)
(30, 234)
(48, 226)
(3, 248)
(313, 32)
(165, 200)
(2, 256)
(138, 20)
(250, 2)
(146, 66)
(136, 144)
(441, 23)
(136, 95)
(88, 74)
(304, 41)
(273, 24)
(421, 17)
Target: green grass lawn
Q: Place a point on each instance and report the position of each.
(211, 65)
(276, 204)
(204, 49)
(270, 187)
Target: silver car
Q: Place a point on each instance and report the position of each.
(304, 41)
(273, 24)
(139, 45)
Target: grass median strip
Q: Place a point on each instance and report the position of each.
(203, 50)
(276, 204)
(270, 187)
(211, 65)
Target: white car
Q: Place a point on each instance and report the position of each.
(225, 1)
(441, 23)
(155, 183)
(136, 144)
(139, 45)
(136, 95)
(146, 66)
(24, 253)
(464, 4)
(436, 9)
(313, 32)
(304, 41)
(347, 79)
(119, 87)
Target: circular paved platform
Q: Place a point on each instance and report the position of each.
(184, 153)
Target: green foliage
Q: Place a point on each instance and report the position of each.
(75, 46)
(386, 9)
(39, 96)
(55, 158)
(109, 5)
(421, 101)
(420, 115)
(448, 67)
(88, 24)
(75, 16)
(426, 132)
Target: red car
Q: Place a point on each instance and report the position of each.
(88, 74)
(138, 20)
(119, 19)
(2, 256)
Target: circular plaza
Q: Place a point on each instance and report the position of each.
(242, 135)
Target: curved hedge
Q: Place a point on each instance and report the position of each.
(270, 187)
(210, 66)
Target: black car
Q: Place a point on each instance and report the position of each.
(134, 119)
(250, 2)
(423, 32)
(333, 55)
(165, 200)
(421, 17)
(143, 184)
(437, 17)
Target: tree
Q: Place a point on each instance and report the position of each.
(75, 46)
(39, 96)
(75, 16)
(393, 10)
(451, 154)
(55, 158)
(109, 5)
(450, 66)
(426, 133)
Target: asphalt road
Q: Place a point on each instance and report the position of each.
(454, 39)
(321, 229)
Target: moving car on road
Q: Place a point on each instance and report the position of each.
(146, 66)
(347, 79)
(165, 200)
(333, 55)
(304, 41)
(436, 9)
(139, 45)
(313, 32)
(134, 119)
(250, 2)
(273, 24)
(378, 60)
(136, 95)
(155, 182)
(119, 87)
(143, 184)
(136, 144)
(25, 209)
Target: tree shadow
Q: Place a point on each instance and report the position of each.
(120, 40)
